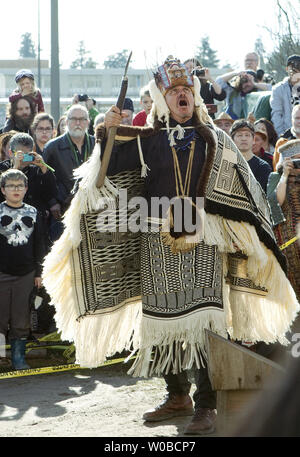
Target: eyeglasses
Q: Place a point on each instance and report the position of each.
(79, 119)
(13, 187)
(46, 129)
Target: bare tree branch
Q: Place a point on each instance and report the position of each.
(286, 16)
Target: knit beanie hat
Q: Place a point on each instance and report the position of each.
(24, 74)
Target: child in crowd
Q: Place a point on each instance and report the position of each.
(26, 86)
(61, 125)
(146, 102)
(22, 252)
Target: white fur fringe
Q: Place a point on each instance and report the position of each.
(178, 343)
(245, 316)
(96, 337)
(252, 317)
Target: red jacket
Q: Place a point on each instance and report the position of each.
(36, 98)
(140, 119)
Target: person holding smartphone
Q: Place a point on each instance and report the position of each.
(41, 181)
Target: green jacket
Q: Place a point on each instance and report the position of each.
(93, 112)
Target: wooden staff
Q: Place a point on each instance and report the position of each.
(113, 130)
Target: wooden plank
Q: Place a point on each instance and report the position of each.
(233, 367)
(231, 406)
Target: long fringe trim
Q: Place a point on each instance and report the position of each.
(57, 279)
(98, 336)
(255, 318)
(57, 276)
(174, 345)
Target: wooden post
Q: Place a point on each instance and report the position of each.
(237, 374)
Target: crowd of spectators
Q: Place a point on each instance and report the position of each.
(46, 155)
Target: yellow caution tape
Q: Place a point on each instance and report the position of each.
(288, 243)
(51, 338)
(54, 345)
(54, 369)
(69, 352)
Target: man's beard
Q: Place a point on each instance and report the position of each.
(23, 123)
(76, 133)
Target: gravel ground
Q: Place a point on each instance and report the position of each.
(103, 402)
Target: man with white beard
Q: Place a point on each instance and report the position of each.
(64, 154)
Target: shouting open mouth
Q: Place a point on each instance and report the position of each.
(182, 102)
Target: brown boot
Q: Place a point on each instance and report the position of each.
(174, 405)
(203, 422)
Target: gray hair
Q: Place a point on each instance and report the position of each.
(77, 106)
(99, 119)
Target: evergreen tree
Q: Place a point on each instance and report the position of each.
(206, 55)
(90, 63)
(27, 46)
(82, 60)
(118, 60)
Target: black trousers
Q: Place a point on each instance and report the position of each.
(15, 307)
(204, 396)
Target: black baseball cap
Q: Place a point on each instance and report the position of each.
(293, 60)
(128, 104)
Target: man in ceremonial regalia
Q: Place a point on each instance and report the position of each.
(158, 290)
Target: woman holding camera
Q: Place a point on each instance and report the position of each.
(283, 193)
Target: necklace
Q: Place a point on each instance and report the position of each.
(181, 243)
(182, 190)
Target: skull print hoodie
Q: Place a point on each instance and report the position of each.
(21, 240)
